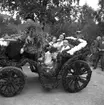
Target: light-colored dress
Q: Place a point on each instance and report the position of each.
(48, 59)
(58, 45)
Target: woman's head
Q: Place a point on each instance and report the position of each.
(62, 36)
(65, 43)
(54, 39)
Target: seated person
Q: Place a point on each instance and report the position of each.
(54, 40)
(49, 48)
(59, 43)
(61, 37)
(48, 59)
(55, 48)
(65, 46)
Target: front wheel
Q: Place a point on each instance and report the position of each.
(76, 76)
(12, 81)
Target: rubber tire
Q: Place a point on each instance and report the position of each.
(65, 72)
(19, 73)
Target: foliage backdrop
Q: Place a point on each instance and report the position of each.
(56, 16)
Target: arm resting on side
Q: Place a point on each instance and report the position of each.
(71, 37)
(82, 44)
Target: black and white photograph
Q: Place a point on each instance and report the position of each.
(51, 52)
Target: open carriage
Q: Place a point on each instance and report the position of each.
(74, 71)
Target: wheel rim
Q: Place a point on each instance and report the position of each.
(78, 76)
(10, 82)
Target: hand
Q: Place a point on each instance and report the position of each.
(70, 52)
(22, 50)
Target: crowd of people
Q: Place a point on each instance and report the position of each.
(62, 44)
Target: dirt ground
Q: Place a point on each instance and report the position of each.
(34, 94)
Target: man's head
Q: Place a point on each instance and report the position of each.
(99, 38)
(65, 43)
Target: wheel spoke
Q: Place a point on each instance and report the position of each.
(3, 82)
(12, 74)
(84, 73)
(13, 88)
(2, 87)
(82, 80)
(5, 89)
(71, 84)
(71, 71)
(77, 67)
(74, 68)
(83, 70)
(77, 85)
(69, 78)
(80, 68)
(9, 89)
(18, 81)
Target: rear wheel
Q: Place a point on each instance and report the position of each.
(12, 81)
(76, 76)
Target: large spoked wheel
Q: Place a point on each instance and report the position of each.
(12, 81)
(76, 76)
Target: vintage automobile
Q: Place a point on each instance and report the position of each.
(72, 70)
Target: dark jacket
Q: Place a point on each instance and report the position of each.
(94, 47)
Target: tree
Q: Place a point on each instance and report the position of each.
(77, 19)
(46, 10)
(99, 17)
(6, 26)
